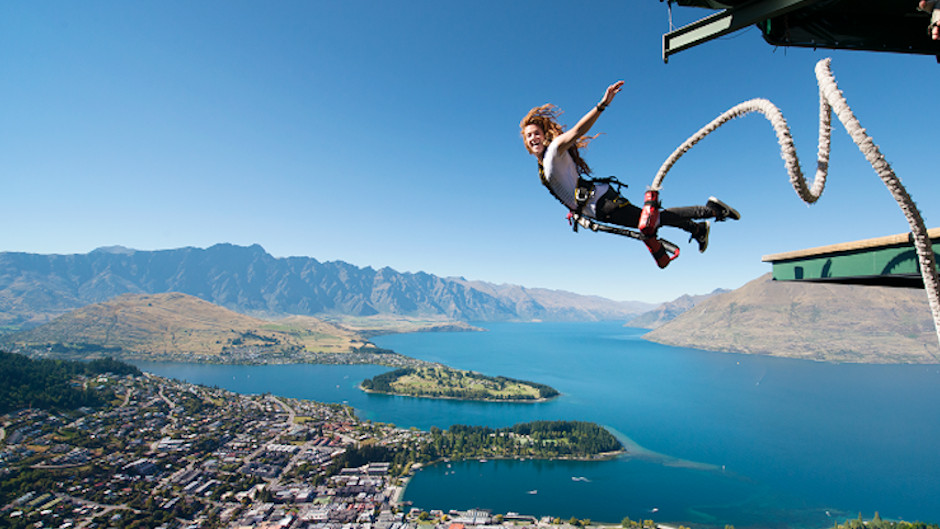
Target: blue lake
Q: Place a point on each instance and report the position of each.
(715, 438)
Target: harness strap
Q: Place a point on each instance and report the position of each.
(583, 191)
(611, 181)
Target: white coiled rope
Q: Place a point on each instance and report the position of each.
(830, 99)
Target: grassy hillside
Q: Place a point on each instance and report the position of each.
(183, 328)
(379, 324)
(815, 321)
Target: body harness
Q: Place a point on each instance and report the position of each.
(663, 251)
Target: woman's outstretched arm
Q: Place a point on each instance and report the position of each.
(569, 137)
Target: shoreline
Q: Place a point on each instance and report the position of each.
(398, 500)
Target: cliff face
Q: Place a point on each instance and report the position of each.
(817, 321)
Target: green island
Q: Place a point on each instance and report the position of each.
(439, 381)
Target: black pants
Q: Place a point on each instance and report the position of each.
(615, 209)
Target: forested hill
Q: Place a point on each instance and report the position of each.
(539, 439)
(48, 384)
(35, 288)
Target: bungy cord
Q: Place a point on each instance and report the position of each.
(830, 98)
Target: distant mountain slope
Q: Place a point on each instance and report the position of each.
(179, 327)
(558, 304)
(816, 321)
(34, 288)
(669, 311)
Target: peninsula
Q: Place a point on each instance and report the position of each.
(438, 381)
(585, 441)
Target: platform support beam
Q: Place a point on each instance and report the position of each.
(725, 22)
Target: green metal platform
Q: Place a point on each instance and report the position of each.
(871, 25)
(886, 261)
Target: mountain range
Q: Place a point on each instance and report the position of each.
(35, 288)
(827, 322)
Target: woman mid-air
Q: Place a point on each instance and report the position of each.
(565, 173)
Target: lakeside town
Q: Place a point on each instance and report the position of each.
(168, 454)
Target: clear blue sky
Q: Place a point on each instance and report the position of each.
(386, 134)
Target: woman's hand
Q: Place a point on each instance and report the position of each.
(612, 90)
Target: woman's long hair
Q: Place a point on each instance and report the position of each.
(546, 118)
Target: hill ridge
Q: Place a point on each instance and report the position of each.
(179, 327)
(816, 321)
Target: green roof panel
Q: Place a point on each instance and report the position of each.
(888, 261)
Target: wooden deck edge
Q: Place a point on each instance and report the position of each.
(865, 244)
